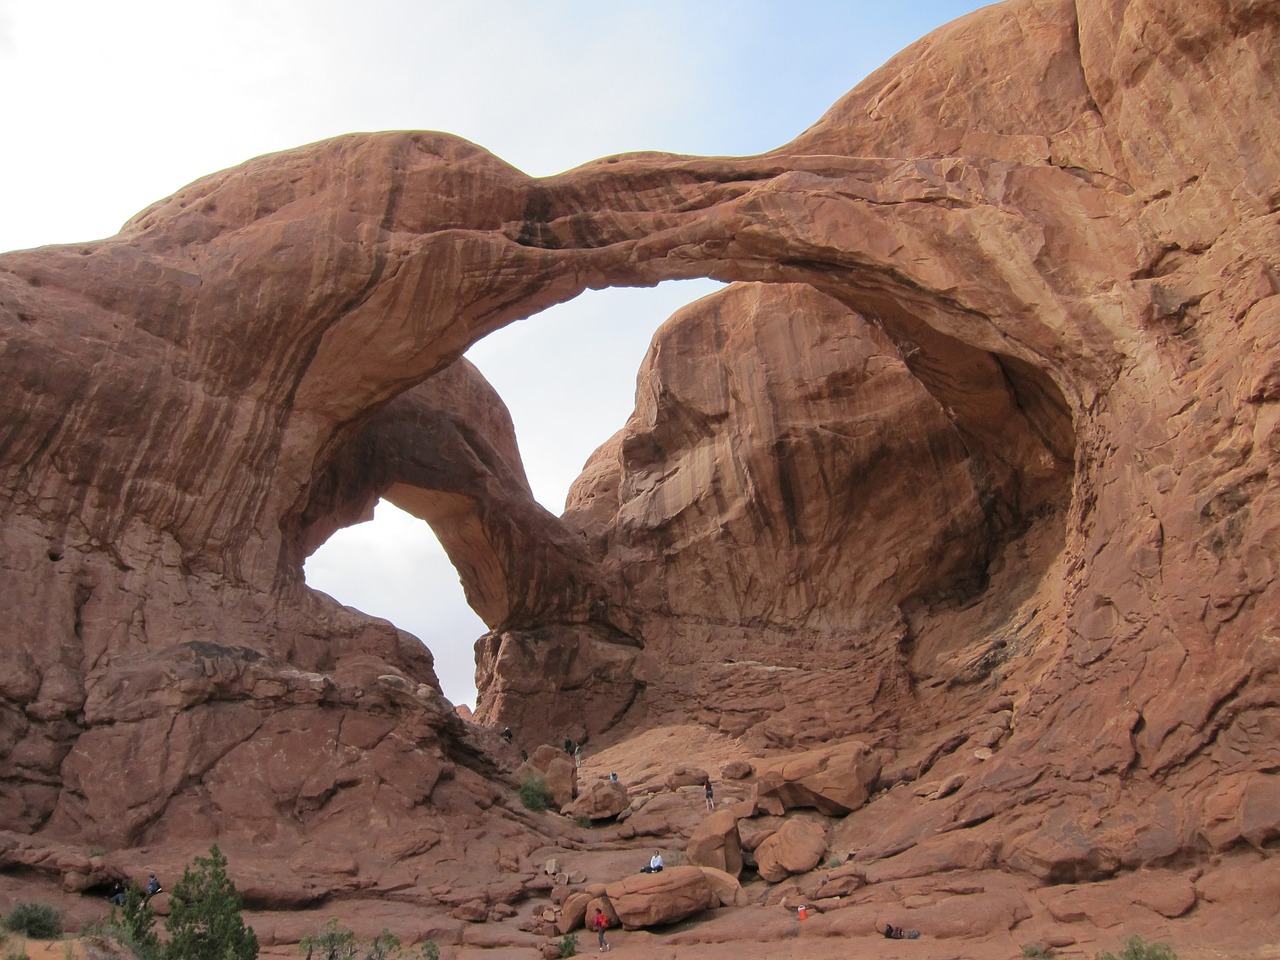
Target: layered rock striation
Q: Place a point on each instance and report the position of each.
(974, 465)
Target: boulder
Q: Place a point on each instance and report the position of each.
(834, 780)
(601, 800)
(574, 911)
(797, 847)
(735, 770)
(654, 899)
(715, 843)
(686, 777)
(725, 886)
(556, 769)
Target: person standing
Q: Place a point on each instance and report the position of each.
(599, 923)
(711, 797)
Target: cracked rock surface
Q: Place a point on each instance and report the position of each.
(971, 466)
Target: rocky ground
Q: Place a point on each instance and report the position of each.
(1201, 912)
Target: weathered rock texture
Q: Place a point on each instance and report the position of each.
(977, 467)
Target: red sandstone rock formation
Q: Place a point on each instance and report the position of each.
(982, 476)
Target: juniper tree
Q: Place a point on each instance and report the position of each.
(136, 922)
(204, 915)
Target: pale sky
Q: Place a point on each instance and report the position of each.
(108, 107)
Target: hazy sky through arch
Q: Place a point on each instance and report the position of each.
(110, 107)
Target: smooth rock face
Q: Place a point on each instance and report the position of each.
(600, 800)
(833, 780)
(653, 899)
(797, 847)
(715, 843)
(974, 467)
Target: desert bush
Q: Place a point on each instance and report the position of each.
(204, 915)
(39, 921)
(333, 942)
(535, 794)
(385, 945)
(569, 945)
(101, 941)
(1135, 948)
(1035, 951)
(430, 950)
(336, 942)
(16, 951)
(133, 925)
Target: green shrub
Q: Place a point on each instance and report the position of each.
(336, 942)
(39, 921)
(204, 915)
(333, 942)
(430, 950)
(110, 940)
(133, 924)
(385, 945)
(535, 794)
(569, 945)
(99, 941)
(1035, 951)
(1135, 948)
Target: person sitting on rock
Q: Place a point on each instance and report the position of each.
(897, 933)
(153, 887)
(655, 863)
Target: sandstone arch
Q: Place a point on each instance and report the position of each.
(1090, 240)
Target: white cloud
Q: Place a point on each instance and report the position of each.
(393, 567)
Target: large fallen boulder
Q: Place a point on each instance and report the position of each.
(834, 780)
(797, 847)
(728, 891)
(556, 769)
(686, 777)
(601, 800)
(654, 899)
(715, 843)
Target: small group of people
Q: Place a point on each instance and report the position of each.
(150, 890)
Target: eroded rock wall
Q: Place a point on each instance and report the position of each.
(1063, 217)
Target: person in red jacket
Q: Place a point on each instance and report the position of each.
(599, 923)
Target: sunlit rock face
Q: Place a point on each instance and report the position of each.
(983, 476)
(785, 487)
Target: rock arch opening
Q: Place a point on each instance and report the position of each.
(393, 566)
(567, 379)
(826, 477)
